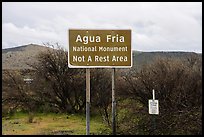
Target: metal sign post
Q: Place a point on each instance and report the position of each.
(153, 94)
(113, 103)
(153, 105)
(154, 123)
(153, 109)
(87, 101)
(99, 49)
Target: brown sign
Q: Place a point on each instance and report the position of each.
(99, 49)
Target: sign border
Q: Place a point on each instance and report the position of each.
(71, 66)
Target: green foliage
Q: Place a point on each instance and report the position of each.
(53, 124)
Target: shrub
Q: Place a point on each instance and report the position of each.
(178, 87)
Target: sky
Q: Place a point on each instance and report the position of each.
(156, 26)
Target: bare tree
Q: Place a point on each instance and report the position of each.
(101, 92)
(18, 94)
(179, 91)
(66, 85)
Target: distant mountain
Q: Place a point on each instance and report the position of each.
(18, 57)
(142, 58)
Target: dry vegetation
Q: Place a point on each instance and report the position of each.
(59, 89)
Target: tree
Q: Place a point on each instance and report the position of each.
(17, 94)
(66, 85)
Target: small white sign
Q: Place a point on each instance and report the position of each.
(153, 106)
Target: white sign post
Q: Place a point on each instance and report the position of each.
(153, 109)
(153, 105)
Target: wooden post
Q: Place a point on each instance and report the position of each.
(87, 101)
(113, 103)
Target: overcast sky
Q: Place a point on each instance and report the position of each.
(155, 26)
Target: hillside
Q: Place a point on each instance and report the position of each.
(141, 58)
(18, 57)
